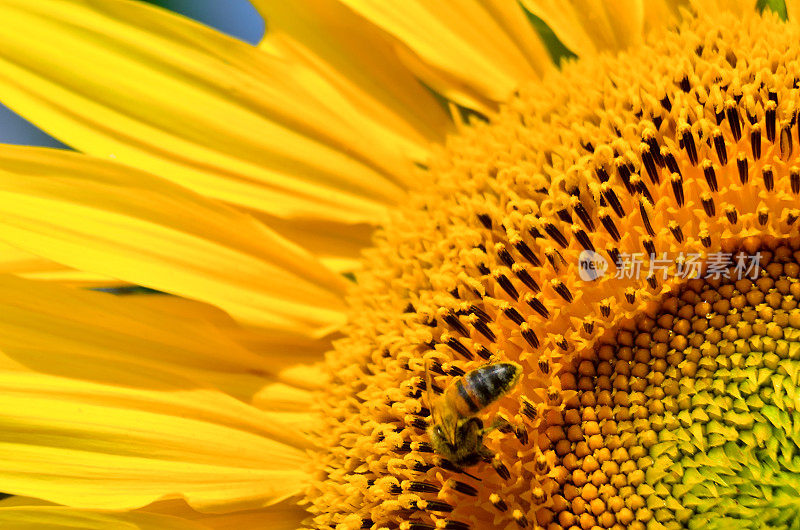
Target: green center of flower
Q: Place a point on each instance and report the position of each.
(687, 415)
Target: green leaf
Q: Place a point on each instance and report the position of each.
(778, 6)
(555, 47)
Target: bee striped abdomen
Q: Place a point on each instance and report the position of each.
(486, 384)
(467, 398)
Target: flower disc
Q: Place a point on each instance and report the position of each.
(648, 399)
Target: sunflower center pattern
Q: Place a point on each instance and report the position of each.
(687, 416)
(684, 146)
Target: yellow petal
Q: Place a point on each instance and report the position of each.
(336, 246)
(471, 51)
(515, 23)
(360, 61)
(662, 13)
(288, 358)
(734, 6)
(590, 26)
(106, 406)
(793, 11)
(27, 265)
(138, 329)
(17, 500)
(285, 515)
(101, 217)
(162, 93)
(57, 517)
(294, 359)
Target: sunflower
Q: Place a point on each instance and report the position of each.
(309, 239)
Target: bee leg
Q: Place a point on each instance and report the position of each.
(502, 424)
(491, 458)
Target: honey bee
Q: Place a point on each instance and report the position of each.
(456, 433)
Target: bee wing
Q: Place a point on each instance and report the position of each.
(429, 384)
(441, 416)
(450, 427)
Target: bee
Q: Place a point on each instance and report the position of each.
(456, 433)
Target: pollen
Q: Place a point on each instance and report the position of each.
(626, 231)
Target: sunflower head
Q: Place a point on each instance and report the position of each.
(650, 396)
(579, 312)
